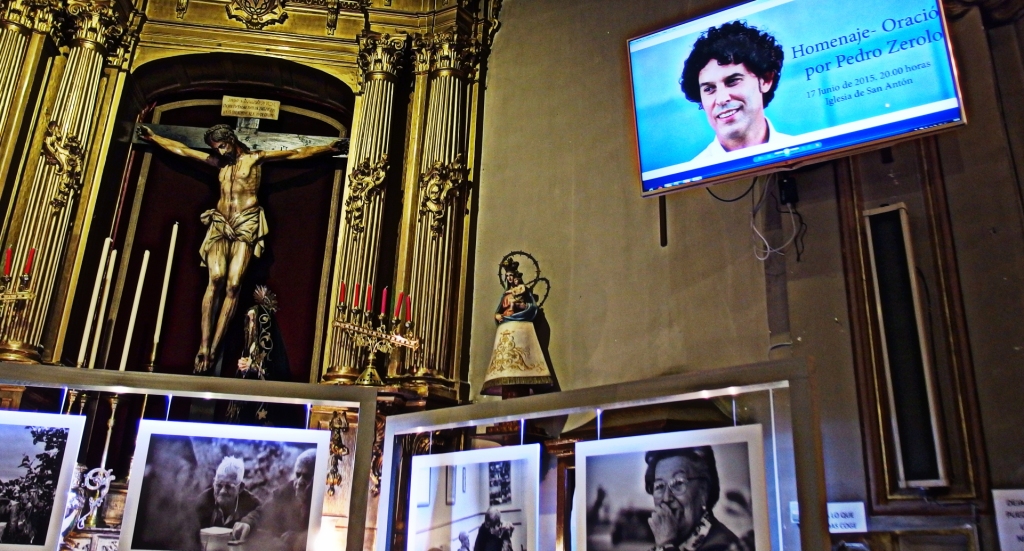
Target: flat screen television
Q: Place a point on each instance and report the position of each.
(773, 84)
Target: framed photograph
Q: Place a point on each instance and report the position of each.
(471, 520)
(37, 463)
(699, 489)
(203, 487)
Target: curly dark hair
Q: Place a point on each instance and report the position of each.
(223, 133)
(702, 456)
(734, 42)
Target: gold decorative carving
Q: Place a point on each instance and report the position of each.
(366, 182)
(451, 51)
(440, 186)
(421, 54)
(93, 24)
(120, 50)
(257, 14)
(490, 24)
(181, 8)
(30, 15)
(336, 6)
(380, 54)
(65, 153)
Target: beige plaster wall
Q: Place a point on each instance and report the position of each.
(559, 180)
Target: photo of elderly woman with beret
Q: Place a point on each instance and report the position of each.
(640, 495)
(685, 487)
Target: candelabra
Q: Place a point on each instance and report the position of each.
(9, 294)
(375, 334)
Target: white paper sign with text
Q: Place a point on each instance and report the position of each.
(847, 517)
(1010, 518)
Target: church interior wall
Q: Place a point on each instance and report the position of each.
(555, 175)
(558, 178)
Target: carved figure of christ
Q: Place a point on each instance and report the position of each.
(236, 227)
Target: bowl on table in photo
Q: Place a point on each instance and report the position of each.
(215, 538)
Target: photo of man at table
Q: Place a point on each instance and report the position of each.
(215, 493)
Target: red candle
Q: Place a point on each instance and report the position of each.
(408, 307)
(341, 296)
(7, 261)
(28, 261)
(355, 297)
(398, 305)
(384, 302)
(369, 297)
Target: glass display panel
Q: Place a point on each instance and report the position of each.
(592, 468)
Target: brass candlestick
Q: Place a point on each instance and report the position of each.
(375, 333)
(10, 295)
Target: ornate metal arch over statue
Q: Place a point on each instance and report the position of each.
(518, 364)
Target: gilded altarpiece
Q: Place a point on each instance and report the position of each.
(78, 77)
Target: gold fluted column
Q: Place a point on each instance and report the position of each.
(360, 232)
(25, 27)
(436, 243)
(51, 181)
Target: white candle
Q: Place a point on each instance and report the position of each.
(92, 302)
(163, 290)
(100, 321)
(135, 311)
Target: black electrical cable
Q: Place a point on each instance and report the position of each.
(798, 241)
(749, 189)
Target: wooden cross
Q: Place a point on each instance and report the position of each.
(192, 137)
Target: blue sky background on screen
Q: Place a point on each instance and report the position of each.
(673, 130)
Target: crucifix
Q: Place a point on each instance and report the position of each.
(236, 227)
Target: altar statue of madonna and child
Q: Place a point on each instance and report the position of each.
(518, 365)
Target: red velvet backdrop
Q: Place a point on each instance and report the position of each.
(296, 197)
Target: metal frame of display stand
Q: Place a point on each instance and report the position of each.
(806, 427)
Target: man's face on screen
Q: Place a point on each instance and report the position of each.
(732, 98)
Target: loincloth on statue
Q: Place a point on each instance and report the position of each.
(248, 226)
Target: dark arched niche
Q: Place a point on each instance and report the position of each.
(208, 77)
(200, 75)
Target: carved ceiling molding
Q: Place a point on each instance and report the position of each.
(334, 7)
(257, 14)
(995, 12)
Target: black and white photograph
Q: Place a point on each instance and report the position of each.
(37, 461)
(477, 500)
(500, 477)
(696, 490)
(202, 487)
